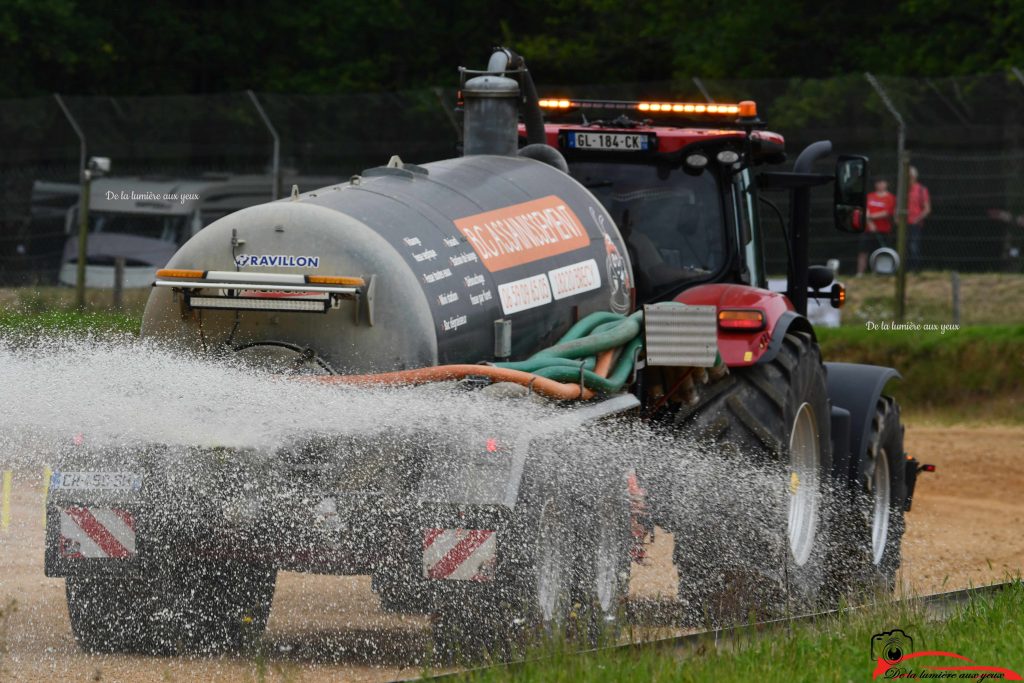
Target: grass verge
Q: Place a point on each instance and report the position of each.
(974, 373)
(968, 374)
(987, 629)
(985, 298)
(69, 322)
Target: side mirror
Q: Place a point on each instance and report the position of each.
(819, 277)
(851, 194)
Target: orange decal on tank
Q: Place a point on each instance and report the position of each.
(523, 233)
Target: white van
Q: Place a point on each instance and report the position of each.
(145, 219)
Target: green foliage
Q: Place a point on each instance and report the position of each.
(165, 47)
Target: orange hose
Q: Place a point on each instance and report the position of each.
(439, 373)
(604, 363)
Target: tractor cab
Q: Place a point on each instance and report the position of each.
(677, 177)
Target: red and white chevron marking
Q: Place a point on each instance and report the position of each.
(459, 554)
(96, 532)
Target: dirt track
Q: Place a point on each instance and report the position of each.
(965, 528)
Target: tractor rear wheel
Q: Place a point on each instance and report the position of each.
(753, 547)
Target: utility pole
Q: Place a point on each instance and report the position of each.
(901, 192)
(83, 203)
(275, 159)
(83, 237)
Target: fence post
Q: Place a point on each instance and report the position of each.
(901, 238)
(118, 283)
(449, 113)
(954, 278)
(703, 91)
(1018, 73)
(901, 192)
(83, 204)
(276, 159)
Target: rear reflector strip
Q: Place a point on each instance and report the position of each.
(95, 532)
(459, 554)
(240, 304)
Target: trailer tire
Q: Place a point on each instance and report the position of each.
(214, 606)
(110, 612)
(604, 560)
(774, 415)
(873, 522)
(537, 582)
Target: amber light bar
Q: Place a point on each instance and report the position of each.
(745, 109)
(233, 281)
(255, 277)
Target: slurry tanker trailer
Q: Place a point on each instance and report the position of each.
(604, 256)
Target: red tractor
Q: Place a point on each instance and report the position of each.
(688, 185)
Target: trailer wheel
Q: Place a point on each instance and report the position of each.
(874, 521)
(531, 595)
(537, 585)
(604, 561)
(774, 415)
(215, 606)
(110, 612)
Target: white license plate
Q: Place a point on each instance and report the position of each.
(96, 481)
(615, 142)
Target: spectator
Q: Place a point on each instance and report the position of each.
(881, 208)
(919, 207)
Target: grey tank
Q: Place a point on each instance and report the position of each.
(451, 246)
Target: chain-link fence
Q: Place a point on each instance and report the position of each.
(964, 135)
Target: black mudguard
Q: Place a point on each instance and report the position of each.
(856, 388)
(787, 321)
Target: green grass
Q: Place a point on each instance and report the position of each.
(972, 373)
(6, 610)
(987, 629)
(69, 322)
(42, 299)
(985, 298)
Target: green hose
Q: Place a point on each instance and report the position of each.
(535, 364)
(574, 357)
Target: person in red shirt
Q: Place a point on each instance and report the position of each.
(881, 210)
(919, 207)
